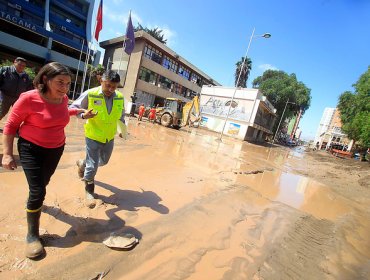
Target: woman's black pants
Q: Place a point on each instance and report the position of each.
(39, 165)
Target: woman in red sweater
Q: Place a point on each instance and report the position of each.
(39, 116)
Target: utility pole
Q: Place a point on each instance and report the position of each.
(277, 130)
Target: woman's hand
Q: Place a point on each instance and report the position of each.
(8, 162)
(88, 114)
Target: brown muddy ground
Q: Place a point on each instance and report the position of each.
(202, 209)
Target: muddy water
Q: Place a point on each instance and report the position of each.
(202, 209)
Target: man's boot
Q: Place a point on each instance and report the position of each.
(34, 247)
(81, 164)
(90, 196)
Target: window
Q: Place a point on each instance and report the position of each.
(61, 30)
(196, 79)
(184, 91)
(76, 5)
(38, 3)
(178, 89)
(165, 83)
(66, 17)
(148, 76)
(184, 72)
(169, 63)
(33, 18)
(153, 54)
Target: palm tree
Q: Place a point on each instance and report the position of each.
(244, 75)
(96, 72)
(155, 32)
(139, 27)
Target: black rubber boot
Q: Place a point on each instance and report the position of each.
(34, 247)
(90, 187)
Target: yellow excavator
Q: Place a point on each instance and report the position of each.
(177, 113)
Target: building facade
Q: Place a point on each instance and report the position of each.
(46, 30)
(324, 123)
(333, 136)
(153, 71)
(250, 116)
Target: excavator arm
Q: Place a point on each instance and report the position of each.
(191, 112)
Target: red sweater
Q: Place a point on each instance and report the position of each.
(39, 122)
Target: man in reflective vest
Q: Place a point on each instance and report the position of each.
(107, 104)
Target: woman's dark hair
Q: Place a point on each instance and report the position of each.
(48, 72)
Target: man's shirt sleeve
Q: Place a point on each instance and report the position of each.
(80, 103)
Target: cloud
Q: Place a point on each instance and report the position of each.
(118, 17)
(120, 21)
(170, 36)
(265, 67)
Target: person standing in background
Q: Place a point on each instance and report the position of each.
(141, 112)
(13, 81)
(152, 114)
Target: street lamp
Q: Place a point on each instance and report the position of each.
(281, 118)
(266, 36)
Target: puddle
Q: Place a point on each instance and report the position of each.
(298, 192)
(204, 154)
(297, 152)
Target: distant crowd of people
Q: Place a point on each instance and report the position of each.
(39, 114)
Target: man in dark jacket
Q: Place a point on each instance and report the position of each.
(13, 81)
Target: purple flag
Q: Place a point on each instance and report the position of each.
(129, 42)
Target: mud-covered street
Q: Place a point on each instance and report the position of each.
(201, 208)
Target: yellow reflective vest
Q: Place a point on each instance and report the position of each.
(103, 126)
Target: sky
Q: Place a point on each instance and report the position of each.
(326, 43)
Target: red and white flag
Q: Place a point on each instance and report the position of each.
(99, 21)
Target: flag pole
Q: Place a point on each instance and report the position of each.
(123, 50)
(78, 69)
(129, 36)
(88, 86)
(128, 62)
(124, 45)
(87, 58)
(88, 53)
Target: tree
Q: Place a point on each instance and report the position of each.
(155, 32)
(279, 87)
(355, 111)
(95, 72)
(243, 72)
(30, 71)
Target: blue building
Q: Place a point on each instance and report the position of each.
(46, 30)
